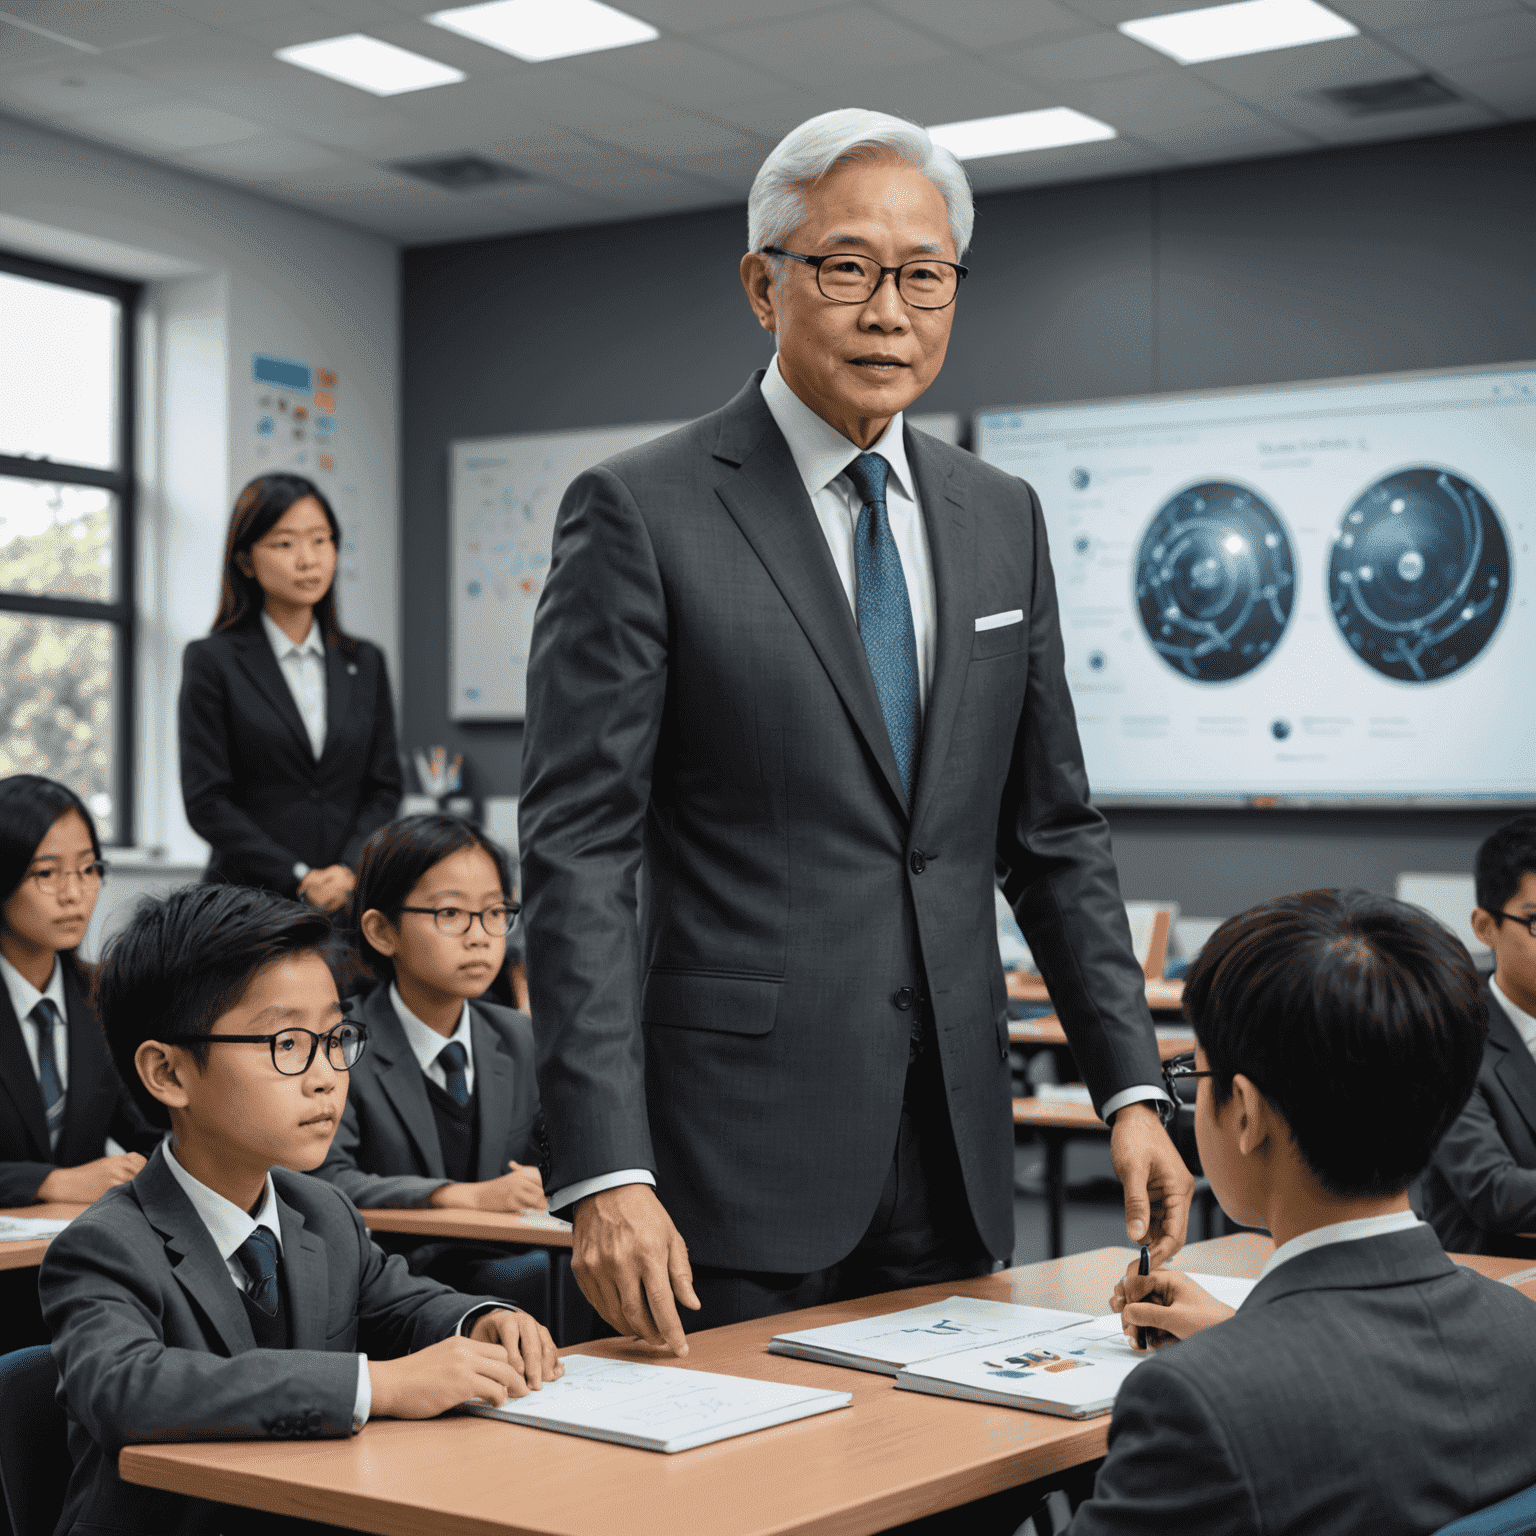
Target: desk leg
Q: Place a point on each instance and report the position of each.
(1056, 1187)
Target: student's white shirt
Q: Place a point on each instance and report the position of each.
(426, 1044)
(303, 669)
(1339, 1232)
(1524, 1024)
(229, 1227)
(24, 998)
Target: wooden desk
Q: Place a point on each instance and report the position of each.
(1056, 1122)
(482, 1226)
(29, 1254)
(1162, 996)
(1047, 1030)
(893, 1456)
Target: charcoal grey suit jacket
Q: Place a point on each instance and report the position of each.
(1480, 1189)
(386, 1150)
(700, 705)
(1371, 1388)
(153, 1342)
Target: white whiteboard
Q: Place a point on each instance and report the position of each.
(503, 495)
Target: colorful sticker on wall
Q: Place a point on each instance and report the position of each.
(294, 416)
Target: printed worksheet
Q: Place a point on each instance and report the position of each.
(26, 1229)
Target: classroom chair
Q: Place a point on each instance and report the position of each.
(34, 1451)
(1514, 1516)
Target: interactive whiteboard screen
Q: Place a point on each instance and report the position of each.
(1312, 593)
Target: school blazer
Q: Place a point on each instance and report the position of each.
(701, 715)
(97, 1104)
(252, 788)
(1480, 1188)
(386, 1150)
(153, 1342)
(1371, 1388)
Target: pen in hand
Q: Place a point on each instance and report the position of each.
(1144, 1268)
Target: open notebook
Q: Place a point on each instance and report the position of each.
(657, 1407)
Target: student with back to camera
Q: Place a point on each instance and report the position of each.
(69, 1130)
(1367, 1384)
(444, 1109)
(287, 728)
(223, 1294)
(1480, 1191)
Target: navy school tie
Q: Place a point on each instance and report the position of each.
(453, 1060)
(46, 1016)
(258, 1258)
(885, 616)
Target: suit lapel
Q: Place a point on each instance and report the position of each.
(260, 665)
(340, 684)
(401, 1079)
(951, 544)
(494, 1089)
(306, 1268)
(767, 499)
(18, 1080)
(88, 1066)
(1516, 1067)
(199, 1270)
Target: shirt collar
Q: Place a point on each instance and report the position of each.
(1522, 1021)
(227, 1224)
(1339, 1232)
(312, 644)
(24, 996)
(425, 1042)
(820, 451)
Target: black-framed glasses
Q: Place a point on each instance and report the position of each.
(459, 920)
(53, 878)
(849, 279)
(294, 1049)
(1528, 923)
(1181, 1069)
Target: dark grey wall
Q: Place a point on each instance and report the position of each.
(1395, 256)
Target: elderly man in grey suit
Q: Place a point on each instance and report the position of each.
(798, 668)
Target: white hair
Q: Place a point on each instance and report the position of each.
(776, 205)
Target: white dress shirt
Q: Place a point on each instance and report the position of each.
(426, 1044)
(1339, 1232)
(229, 1227)
(1524, 1024)
(303, 669)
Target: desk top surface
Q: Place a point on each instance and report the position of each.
(1047, 1030)
(1056, 1115)
(1024, 987)
(533, 1227)
(28, 1252)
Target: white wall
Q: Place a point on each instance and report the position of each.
(229, 275)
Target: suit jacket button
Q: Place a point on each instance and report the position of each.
(903, 998)
(917, 861)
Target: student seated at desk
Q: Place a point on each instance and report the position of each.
(1480, 1191)
(69, 1130)
(223, 1294)
(444, 1109)
(1367, 1383)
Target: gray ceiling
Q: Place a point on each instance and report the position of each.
(684, 122)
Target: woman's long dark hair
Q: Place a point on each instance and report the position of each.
(257, 510)
(29, 805)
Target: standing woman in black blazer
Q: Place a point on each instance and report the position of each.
(288, 755)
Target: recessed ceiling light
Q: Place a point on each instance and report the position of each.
(546, 29)
(1251, 26)
(370, 65)
(1049, 128)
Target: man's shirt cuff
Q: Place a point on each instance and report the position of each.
(584, 1187)
(1125, 1096)
(362, 1404)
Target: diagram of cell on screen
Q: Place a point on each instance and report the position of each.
(1215, 579)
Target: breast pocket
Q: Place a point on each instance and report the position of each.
(1006, 640)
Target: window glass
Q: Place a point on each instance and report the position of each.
(58, 706)
(61, 402)
(57, 539)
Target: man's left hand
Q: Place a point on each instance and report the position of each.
(1158, 1187)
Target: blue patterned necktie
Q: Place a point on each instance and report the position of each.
(885, 616)
(45, 1016)
(453, 1060)
(258, 1258)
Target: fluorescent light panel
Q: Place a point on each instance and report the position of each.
(1227, 31)
(370, 65)
(536, 30)
(1050, 128)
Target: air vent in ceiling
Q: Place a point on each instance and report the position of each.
(1409, 93)
(461, 173)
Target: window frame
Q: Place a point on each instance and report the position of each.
(123, 483)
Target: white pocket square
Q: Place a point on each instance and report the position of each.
(1000, 620)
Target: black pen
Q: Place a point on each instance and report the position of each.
(1144, 1268)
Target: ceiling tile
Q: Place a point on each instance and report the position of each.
(990, 23)
(832, 50)
(368, 15)
(1406, 13)
(1107, 157)
(1098, 56)
(948, 90)
(1176, 110)
(713, 15)
(266, 158)
(773, 116)
(175, 127)
(79, 86)
(1329, 127)
(1508, 87)
(674, 136)
(290, 27)
(1112, 12)
(218, 13)
(674, 69)
(23, 50)
(101, 23)
(1476, 40)
(1285, 71)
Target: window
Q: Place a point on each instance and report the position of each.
(66, 533)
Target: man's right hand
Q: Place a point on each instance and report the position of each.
(632, 1265)
(90, 1181)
